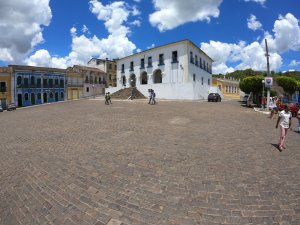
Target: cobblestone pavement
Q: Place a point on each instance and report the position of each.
(83, 162)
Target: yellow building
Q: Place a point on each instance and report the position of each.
(6, 88)
(228, 86)
(83, 81)
(109, 67)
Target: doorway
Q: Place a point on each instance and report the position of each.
(20, 102)
(45, 97)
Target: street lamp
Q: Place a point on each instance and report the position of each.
(93, 91)
(263, 93)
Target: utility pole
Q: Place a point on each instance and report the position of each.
(268, 73)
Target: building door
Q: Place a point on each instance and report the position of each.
(45, 98)
(20, 102)
(32, 99)
(56, 96)
(133, 80)
(3, 103)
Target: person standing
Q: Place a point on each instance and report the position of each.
(153, 97)
(285, 122)
(298, 117)
(109, 98)
(273, 107)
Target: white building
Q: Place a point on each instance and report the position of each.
(178, 70)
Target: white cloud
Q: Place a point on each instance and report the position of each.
(137, 1)
(116, 45)
(85, 29)
(253, 23)
(136, 23)
(262, 2)
(151, 46)
(21, 25)
(170, 14)
(242, 55)
(294, 63)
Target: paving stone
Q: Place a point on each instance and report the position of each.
(83, 162)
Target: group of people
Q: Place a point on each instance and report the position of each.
(107, 98)
(284, 122)
(152, 96)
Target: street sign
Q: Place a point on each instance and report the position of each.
(268, 82)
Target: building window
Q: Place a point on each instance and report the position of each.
(202, 80)
(149, 61)
(26, 97)
(32, 81)
(161, 60)
(61, 83)
(86, 79)
(131, 66)
(109, 66)
(45, 83)
(204, 63)
(191, 58)
(50, 84)
(200, 63)
(196, 60)
(87, 89)
(109, 77)
(100, 81)
(208, 81)
(56, 82)
(38, 83)
(51, 95)
(62, 96)
(142, 64)
(91, 79)
(174, 57)
(207, 69)
(123, 68)
(26, 84)
(19, 81)
(39, 96)
(194, 77)
(2, 86)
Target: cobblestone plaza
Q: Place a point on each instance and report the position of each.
(183, 163)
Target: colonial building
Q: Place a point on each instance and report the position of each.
(178, 70)
(109, 67)
(5, 87)
(228, 86)
(37, 85)
(85, 81)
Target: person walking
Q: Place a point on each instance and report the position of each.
(285, 122)
(153, 97)
(273, 107)
(150, 95)
(107, 99)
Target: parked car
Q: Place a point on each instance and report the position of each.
(214, 97)
(11, 107)
(294, 108)
(1, 109)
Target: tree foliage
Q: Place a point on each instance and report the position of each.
(288, 84)
(251, 84)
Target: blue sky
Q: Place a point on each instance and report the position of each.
(60, 33)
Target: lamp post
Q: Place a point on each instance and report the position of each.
(263, 93)
(93, 91)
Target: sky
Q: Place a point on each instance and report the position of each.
(61, 33)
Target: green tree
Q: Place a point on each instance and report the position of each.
(252, 84)
(288, 84)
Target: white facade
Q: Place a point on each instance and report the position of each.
(175, 71)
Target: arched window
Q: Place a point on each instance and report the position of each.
(26, 82)
(144, 78)
(39, 96)
(157, 77)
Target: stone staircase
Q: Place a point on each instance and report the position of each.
(127, 92)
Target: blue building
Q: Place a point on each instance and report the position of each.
(38, 85)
